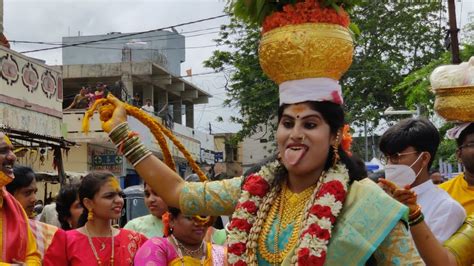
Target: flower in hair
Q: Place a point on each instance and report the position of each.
(346, 141)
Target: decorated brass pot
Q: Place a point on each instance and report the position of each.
(309, 50)
(455, 104)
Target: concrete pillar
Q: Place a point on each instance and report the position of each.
(190, 115)
(177, 115)
(161, 101)
(148, 93)
(128, 83)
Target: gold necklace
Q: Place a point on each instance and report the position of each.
(89, 237)
(288, 208)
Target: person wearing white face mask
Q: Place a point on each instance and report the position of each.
(409, 148)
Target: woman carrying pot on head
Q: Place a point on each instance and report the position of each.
(183, 243)
(96, 242)
(310, 207)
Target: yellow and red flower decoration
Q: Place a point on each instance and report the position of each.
(309, 11)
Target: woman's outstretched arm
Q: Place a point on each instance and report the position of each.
(164, 181)
(203, 198)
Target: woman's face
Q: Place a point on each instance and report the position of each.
(186, 230)
(108, 201)
(154, 203)
(76, 211)
(303, 138)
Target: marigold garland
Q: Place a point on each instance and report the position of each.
(106, 111)
(308, 11)
(323, 210)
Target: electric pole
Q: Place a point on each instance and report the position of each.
(453, 31)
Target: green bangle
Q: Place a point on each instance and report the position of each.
(420, 218)
(142, 158)
(119, 133)
(137, 154)
(130, 143)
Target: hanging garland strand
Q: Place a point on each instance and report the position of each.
(156, 128)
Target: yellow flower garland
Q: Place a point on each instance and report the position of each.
(157, 129)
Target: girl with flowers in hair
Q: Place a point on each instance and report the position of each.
(183, 243)
(310, 206)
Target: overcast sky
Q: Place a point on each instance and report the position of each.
(50, 20)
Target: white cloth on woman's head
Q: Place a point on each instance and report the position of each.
(310, 89)
(456, 131)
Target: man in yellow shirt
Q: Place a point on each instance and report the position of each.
(17, 243)
(461, 187)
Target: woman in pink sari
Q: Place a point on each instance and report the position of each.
(96, 242)
(184, 244)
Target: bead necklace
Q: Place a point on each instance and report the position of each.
(190, 253)
(95, 251)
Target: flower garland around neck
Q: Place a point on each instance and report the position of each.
(311, 248)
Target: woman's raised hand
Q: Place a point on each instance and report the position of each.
(110, 119)
(403, 195)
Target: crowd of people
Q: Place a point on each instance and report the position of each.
(411, 219)
(87, 96)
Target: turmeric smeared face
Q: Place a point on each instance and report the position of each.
(108, 201)
(114, 183)
(7, 157)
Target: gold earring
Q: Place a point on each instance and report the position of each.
(90, 215)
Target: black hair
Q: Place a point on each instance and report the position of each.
(467, 131)
(333, 115)
(174, 213)
(418, 133)
(66, 197)
(90, 185)
(24, 176)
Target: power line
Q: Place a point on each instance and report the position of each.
(125, 35)
(141, 38)
(149, 49)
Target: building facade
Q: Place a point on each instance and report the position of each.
(31, 96)
(147, 66)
